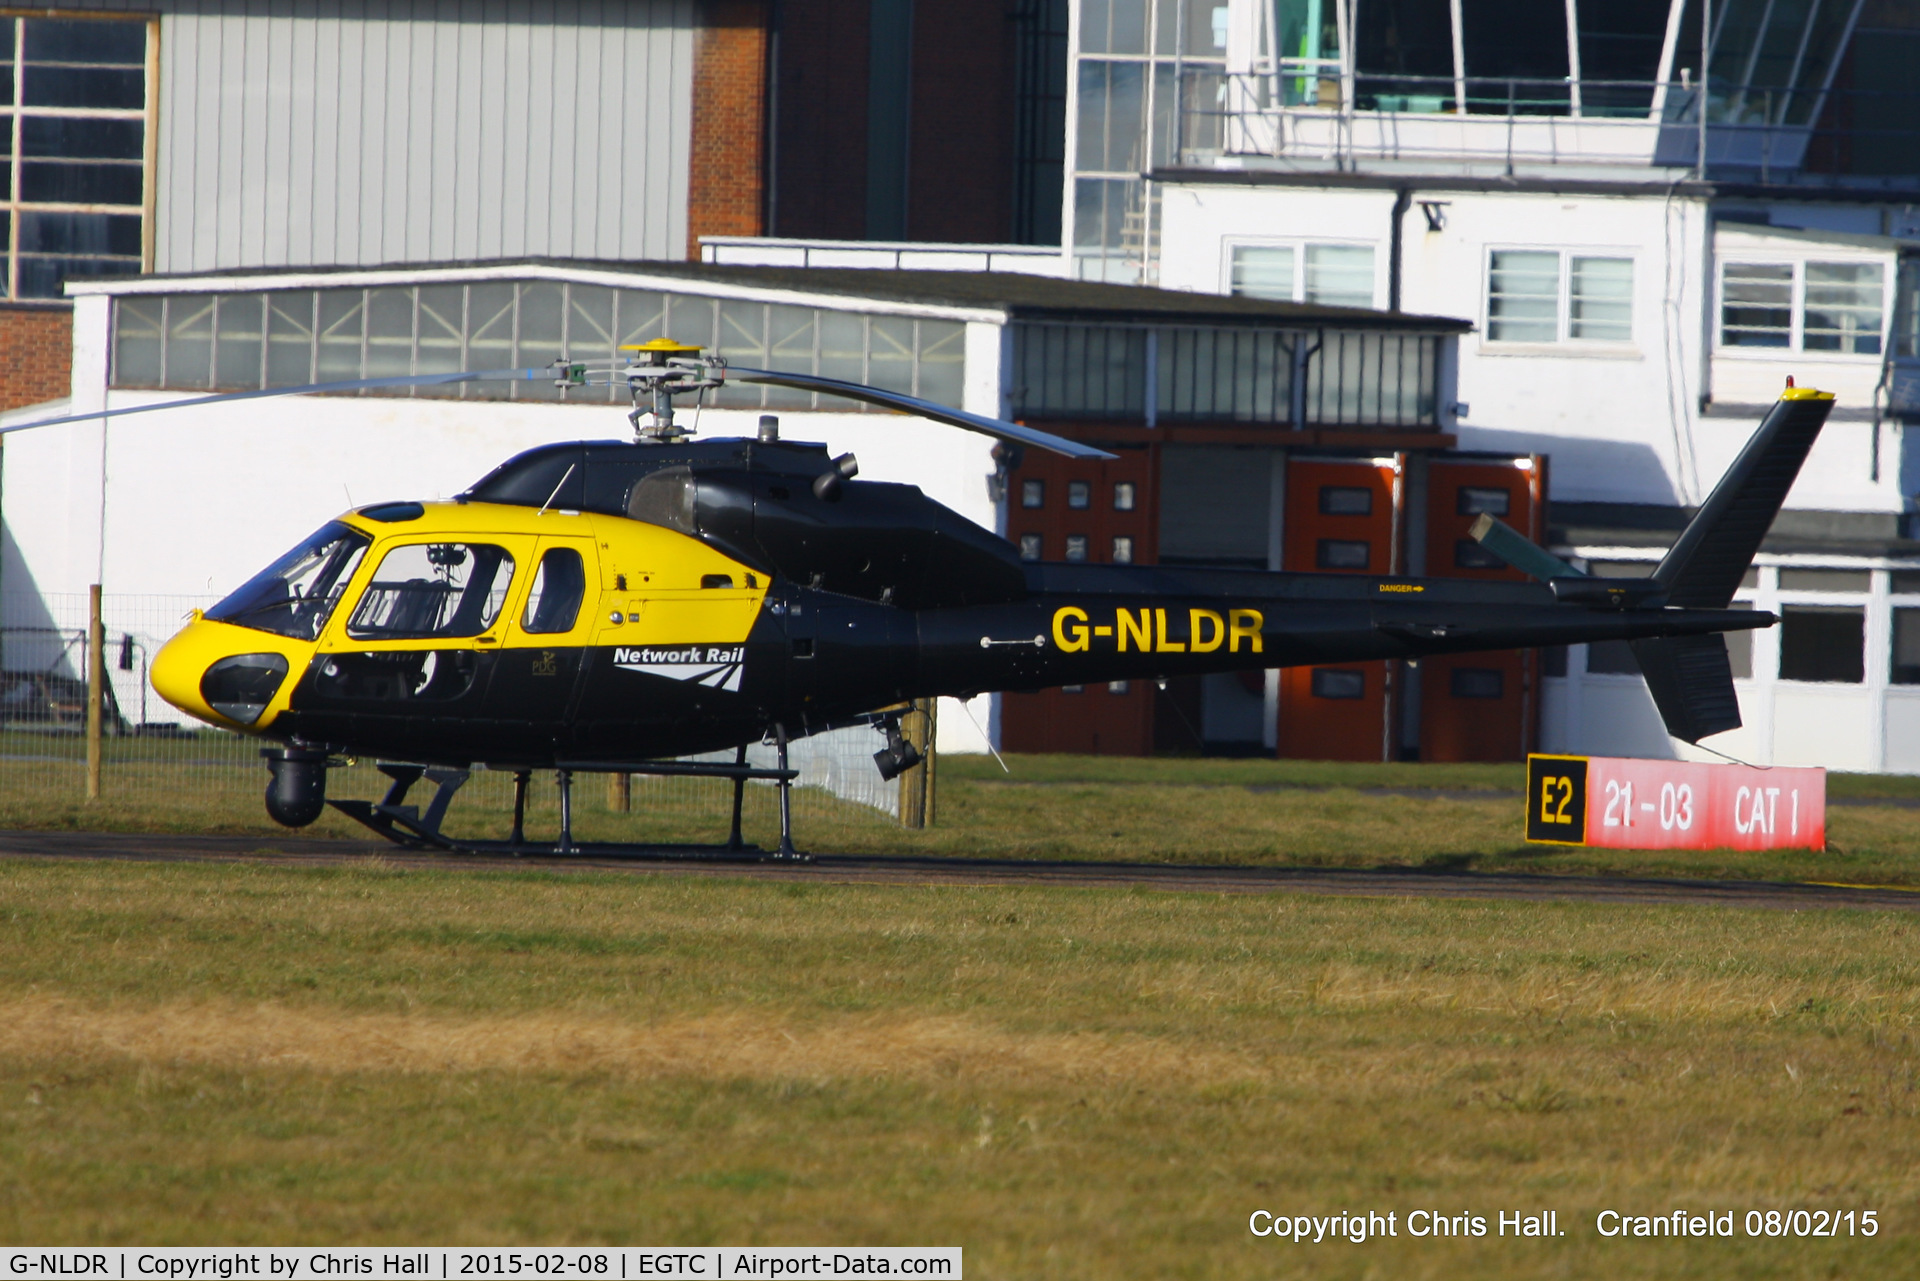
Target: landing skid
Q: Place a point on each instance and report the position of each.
(409, 827)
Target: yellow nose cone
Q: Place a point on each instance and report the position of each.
(179, 670)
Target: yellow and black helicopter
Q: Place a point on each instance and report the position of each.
(609, 606)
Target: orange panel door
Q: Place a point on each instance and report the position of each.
(1479, 707)
(1341, 517)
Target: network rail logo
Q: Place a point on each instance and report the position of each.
(715, 666)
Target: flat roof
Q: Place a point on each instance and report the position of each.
(1000, 295)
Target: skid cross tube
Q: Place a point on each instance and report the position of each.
(406, 826)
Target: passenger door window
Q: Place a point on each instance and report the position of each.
(559, 587)
(433, 591)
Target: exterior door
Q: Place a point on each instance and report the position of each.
(551, 622)
(1342, 517)
(1480, 707)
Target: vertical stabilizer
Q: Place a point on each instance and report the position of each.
(1689, 676)
(1705, 566)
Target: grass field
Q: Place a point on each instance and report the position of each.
(1267, 812)
(1069, 1083)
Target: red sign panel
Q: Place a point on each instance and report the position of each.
(1656, 805)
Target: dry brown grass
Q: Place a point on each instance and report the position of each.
(1067, 1082)
(720, 1047)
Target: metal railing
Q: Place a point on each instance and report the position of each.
(1749, 132)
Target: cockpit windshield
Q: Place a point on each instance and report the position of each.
(295, 595)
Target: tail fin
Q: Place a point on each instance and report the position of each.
(1689, 676)
(1705, 566)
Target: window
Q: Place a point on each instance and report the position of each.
(1825, 580)
(1526, 289)
(1073, 689)
(1843, 306)
(1263, 271)
(1523, 296)
(75, 203)
(1118, 687)
(1123, 495)
(1823, 643)
(282, 337)
(1076, 547)
(1334, 682)
(1331, 275)
(1346, 500)
(295, 595)
(1122, 550)
(1905, 582)
(426, 590)
(1477, 682)
(1612, 658)
(1473, 501)
(1223, 373)
(1079, 495)
(1340, 553)
(1340, 275)
(1906, 647)
(1033, 493)
(559, 585)
(1029, 547)
(1740, 647)
(1600, 299)
(1468, 554)
(1756, 304)
(1804, 306)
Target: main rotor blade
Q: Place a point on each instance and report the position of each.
(924, 408)
(357, 384)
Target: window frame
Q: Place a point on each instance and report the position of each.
(12, 201)
(1230, 245)
(1563, 342)
(1797, 317)
(339, 633)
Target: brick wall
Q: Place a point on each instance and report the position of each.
(726, 185)
(36, 354)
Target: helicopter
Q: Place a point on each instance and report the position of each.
(609, 606)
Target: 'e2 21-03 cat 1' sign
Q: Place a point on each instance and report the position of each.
(1658, 805)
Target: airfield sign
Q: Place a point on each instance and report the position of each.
(1626, 804)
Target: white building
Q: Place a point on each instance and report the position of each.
(1538, 172)
(1644, 242)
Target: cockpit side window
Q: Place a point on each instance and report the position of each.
(296, 594)
(426, 590)
(559, 585)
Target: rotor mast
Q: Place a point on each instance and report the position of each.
(659, 371)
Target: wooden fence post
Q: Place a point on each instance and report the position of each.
(916, 784)
(96, 688)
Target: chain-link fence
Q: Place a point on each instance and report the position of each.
(162, 769)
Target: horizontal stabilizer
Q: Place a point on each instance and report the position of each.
(1691, 681)
(1515, 548)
